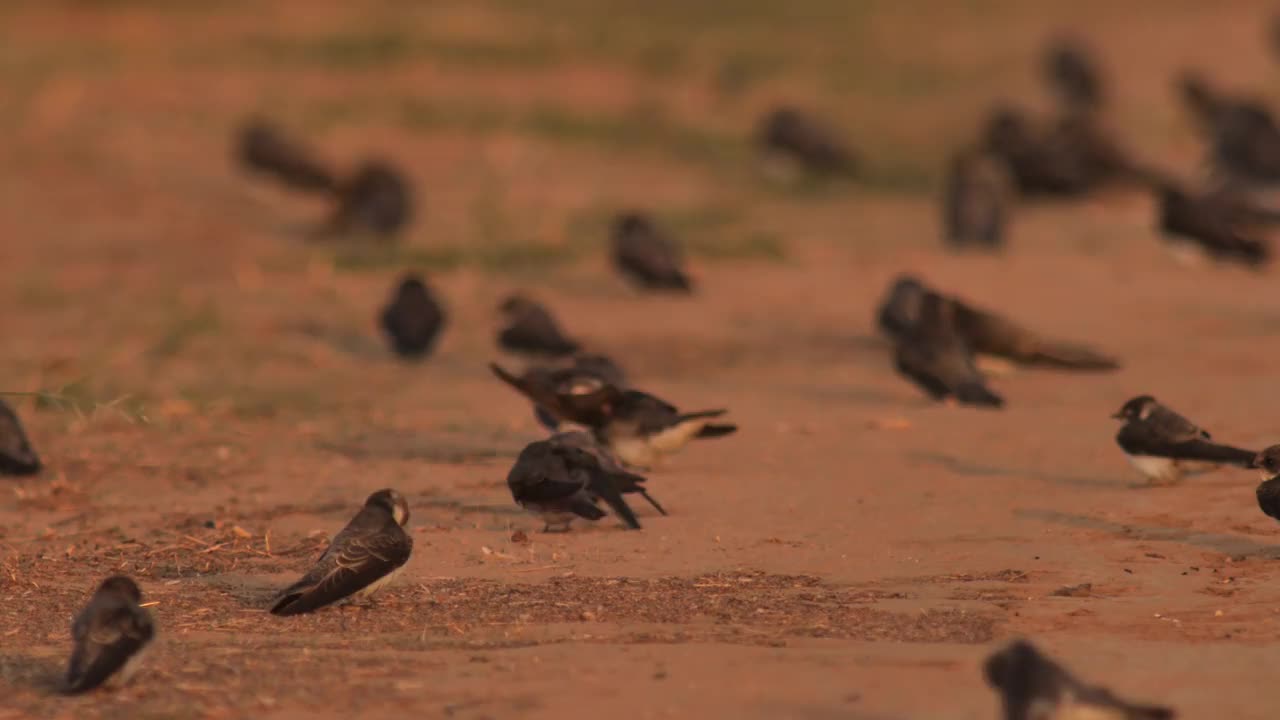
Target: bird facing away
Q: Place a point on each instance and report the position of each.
(363, 557)
(412, 320)
(531, 329)
(1073, 75)
(376, 199)
(16, 455)
(559, 482)
(264, 148)
(1162, 444)
(934, 356)
(1205, 225)
(626, 482)
(977, 202)
(986, 333)
(1268, 493)
(807, 141)
(1244, 139)
(111, 635)
(647, 256)
(1033, 687)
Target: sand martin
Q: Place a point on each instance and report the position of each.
(363, 557)
(1244, 138)
(111, 636)
(934, 356)
(412, 320)
(986, 333)
(559, 482)
(375, 199)
(807, 141)
(977, 201)
(1033, 687)
(1037, 163)
(627, 483)
(531, 329)
(1073, 75)
(16, 455)
(586, 374)
(264, 148)
(646, 255)
(1268, 461)
(1162, 444)
(1205, 224)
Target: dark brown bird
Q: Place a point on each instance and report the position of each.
(978, 201)
(647, 256)
(1268, 493)
(1074, 75)
(264, 148)
(934, 356)
(532, 330)
(376, 199)
(111, 636)
(362, 558)
(16, 454)
(809, 142)
(1033, 687)
(627, 483)
(412, 320)
(560, 482)
(567, 394)
(984, 332)
(1162, 445)
(1208, 225)
(1243, 136)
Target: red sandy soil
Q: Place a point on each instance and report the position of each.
(854, 552)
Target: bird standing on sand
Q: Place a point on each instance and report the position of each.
(977, 201)
(363, 557)
(647, 256)
(1074, 75)
(412, 320)
(1161, 444)
(559, 482)
(1244, 138)
(807, 141)
(111, 635)
(16, 454)
(934, 356)
(1033, 687)
(1203, 225)
(531, 329)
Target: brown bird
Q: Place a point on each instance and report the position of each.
(111, 635)
(934, 356)
(1268, 493)
(559, 482)
(978, 200)
(16, 454)
(1162, 445)
(1207, 225)
(1073, 75)
(647, 256)
(413, 319)
(1243, 135)
(376, 199)
(1033, 687)
(809, 142)
(532, 330)
(264, 148)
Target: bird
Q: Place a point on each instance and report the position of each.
(647, 256)
(1161, 444)
(977, 201)
(934, 356)
(560, 482)
(363, 557)
(264, 148)
(111, 636)
(1206, 224)
(17, 457)
(1038, 165)
(531, 329)
(586, 373)
(626, 482)
(1073, 75)
(1244, 138)
(412, 319)
(376, 199)
(809, 142)
(1268, 492)
(986, 333)
(1033, 687)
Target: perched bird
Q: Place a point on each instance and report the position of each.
(1244, 137)
(647, 256)
(978, 200)
(1073, 75)
(363, 557)
(810, 143)
(1038, 164)
(626, 482)
(412, 320)
(531, 329)
(986, 333)
(1268, 492)
(934, 356)
(16, 455)
(264, 148)
(1206, 224)
(560, 482)
(111, 635)
(1033, 687)
(1161, 444)
(376, 199)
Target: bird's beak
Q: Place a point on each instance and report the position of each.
(1117, 416)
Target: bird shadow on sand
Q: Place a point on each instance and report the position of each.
(962, 466)
(1232, 545)
(41, 674)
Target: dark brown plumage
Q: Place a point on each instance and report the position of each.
(264, 148)
(806, 140)
(413, 319)
(110, 636)
(978, 201)
(1244, 138)
(376, 199)
(1160, 443)
(531, 329)
(1074, 75)
(934, 356)
(1268, 492)
(647, 256)
(1207, 223)
(560, 482)
(17, 457)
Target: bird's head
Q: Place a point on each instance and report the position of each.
(121, 585)
(1136, 409)
(391, 501)
(1268, 461)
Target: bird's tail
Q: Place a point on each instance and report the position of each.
(631, 483)
(1251, 252)
(265, 150)
(606, 488)
(1068, 356)
(977, 394)
(713, 430)
(1210, 452)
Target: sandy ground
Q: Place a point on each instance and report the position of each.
(219, 402)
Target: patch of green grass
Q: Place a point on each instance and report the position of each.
(82, 399)
(184, 328)
(357, 50)
(751, 246)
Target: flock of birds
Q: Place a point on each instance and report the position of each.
(604, 433)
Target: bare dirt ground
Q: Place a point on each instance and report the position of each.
(218, 402)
